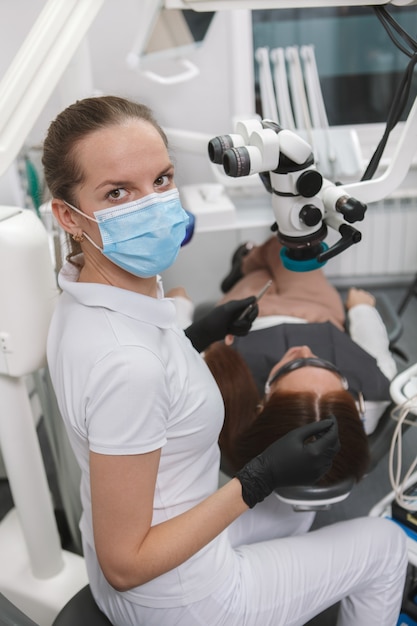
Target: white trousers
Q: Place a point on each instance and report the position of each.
(288, 580)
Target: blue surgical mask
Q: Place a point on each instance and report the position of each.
(144, 236)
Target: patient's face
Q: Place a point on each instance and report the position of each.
(307, 378)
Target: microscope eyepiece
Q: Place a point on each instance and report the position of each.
(217, 146)
(237, 162)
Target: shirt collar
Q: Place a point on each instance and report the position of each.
(159, 311)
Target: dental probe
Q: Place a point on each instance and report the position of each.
(257, 298)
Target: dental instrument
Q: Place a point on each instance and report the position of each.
(257, 298)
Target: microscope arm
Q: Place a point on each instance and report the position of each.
(37, 68)
(379, 188)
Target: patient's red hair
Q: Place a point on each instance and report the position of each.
(252, 423)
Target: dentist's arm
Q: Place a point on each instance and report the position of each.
(132, 552)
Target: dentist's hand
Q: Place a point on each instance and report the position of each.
(291, 460)
(221, 321)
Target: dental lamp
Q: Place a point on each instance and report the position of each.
(304, 203)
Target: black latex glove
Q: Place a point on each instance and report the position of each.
(221, 321)
(291, 461)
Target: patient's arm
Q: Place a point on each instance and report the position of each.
(368, 330)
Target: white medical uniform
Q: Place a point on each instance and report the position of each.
(128, 381)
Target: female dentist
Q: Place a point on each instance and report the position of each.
(143, 415)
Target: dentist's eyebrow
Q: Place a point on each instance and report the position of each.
(128, 183)
(113, 183)
(166, 170)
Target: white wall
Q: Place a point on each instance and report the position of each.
(204, 104)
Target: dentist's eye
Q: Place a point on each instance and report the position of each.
(164, 181)
(116, 194)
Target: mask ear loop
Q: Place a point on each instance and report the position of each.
(74, 208)
(92, 219)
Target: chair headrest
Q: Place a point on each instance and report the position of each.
(315, 497)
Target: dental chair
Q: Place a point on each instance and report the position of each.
(314, 497)
(318, 498)
(411, 291)
(80, 609)
(10, 615)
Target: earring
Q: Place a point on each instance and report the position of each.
(78, 237)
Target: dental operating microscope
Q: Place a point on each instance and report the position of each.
(304, 203)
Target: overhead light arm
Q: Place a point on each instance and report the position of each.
(38, 67)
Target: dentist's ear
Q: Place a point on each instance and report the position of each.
(65, 216)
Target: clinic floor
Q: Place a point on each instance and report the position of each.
(365, 495)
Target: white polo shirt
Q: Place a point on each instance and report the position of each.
(128, 381)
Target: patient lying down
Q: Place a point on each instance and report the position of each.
(252, 422)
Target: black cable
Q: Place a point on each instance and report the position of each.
(387, 18)
(391, 35)
(397, 107)
(402, 93)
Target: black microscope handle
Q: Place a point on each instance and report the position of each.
(349, 236)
